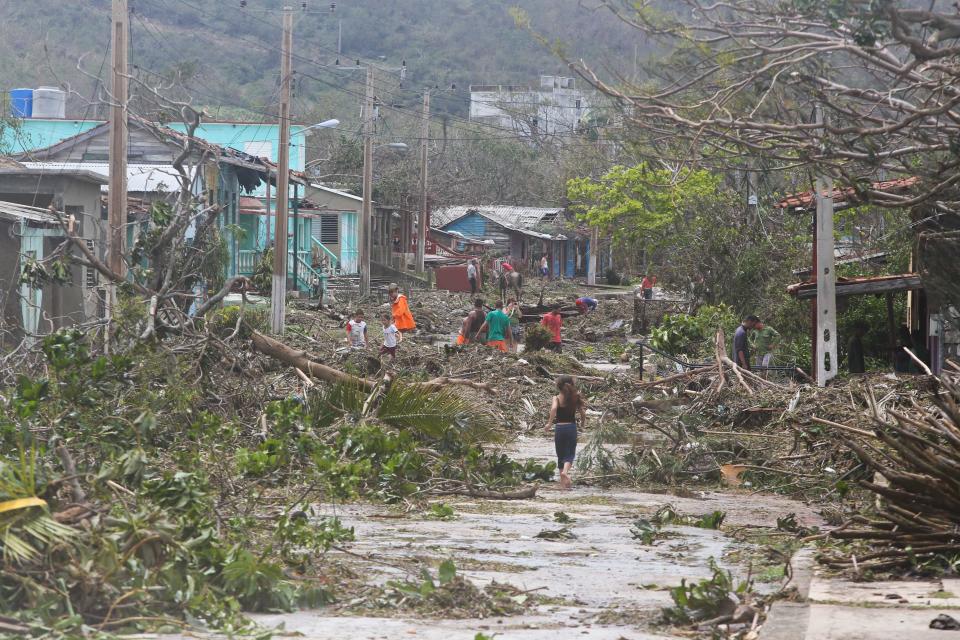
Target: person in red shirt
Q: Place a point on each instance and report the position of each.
(554, 322)
(647, 285)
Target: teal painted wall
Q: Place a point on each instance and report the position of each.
(39, 133)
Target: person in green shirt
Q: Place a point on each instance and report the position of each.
(764, 341)
(516, 331)
(497, 324)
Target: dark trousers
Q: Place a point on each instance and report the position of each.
(565, 441)
(473, 286)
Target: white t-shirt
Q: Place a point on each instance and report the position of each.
(471, 271)
(358, 333)
(390, 336)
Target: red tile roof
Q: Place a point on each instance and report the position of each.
(806, 199)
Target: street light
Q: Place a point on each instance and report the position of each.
(366, 216)
(326, 124)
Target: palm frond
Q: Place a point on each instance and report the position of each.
(329, 403)
(434, 414)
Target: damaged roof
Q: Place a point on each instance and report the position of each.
(861, 285)
(511, 217)
(848, 196)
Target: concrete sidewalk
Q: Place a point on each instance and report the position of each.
(837, 609)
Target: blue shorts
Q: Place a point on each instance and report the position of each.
(565, 441)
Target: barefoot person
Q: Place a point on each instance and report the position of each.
(563, 419)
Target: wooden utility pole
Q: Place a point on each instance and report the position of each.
(825, 364)
(422, 230)
(119, 93)
(278, 298)
(366, 216)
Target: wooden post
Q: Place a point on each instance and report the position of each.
(826, 281)
(891, 327)
(422, 219)
(366, 215)
(278, 296)
(592, 262)
(117, 203)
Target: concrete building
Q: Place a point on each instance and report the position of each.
(555, 107)
(28, 231)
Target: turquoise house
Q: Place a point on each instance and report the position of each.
(251, 211)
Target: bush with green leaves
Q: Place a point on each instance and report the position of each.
(693, 335)
(704, 599)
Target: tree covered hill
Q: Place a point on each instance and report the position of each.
(229, 55)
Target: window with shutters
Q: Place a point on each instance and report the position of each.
(330, 228)
(90, 279)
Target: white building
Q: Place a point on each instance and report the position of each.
(557, 107)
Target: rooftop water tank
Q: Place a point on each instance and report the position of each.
(49, 102)
(21, 103)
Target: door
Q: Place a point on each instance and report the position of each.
(349, 243)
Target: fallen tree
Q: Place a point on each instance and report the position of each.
(299, 359)
(916, 460)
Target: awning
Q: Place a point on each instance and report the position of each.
(861, 286)
(16, 212)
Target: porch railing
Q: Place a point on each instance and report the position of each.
(331, 256)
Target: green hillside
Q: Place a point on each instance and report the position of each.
(229, 55)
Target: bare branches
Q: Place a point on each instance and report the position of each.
(743, 77)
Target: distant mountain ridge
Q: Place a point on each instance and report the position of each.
(231, 54)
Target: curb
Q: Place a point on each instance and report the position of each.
(790, 620)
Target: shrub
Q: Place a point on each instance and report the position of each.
(613, 277)
(536, 338)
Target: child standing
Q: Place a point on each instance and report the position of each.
(391, 336)
(563, 420)
(516, 331)
(357, 331)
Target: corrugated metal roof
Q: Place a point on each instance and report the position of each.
(141, 178)
(805, 200)
(519, 218)
(336, 192)
(14, 211)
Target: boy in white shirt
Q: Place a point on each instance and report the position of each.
(391, 336)
(357, 332)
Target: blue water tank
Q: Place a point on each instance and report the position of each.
(21, 103)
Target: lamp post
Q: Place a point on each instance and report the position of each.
(366, 220)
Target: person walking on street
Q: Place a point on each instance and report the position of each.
(497, 325)
(471, 323)
(514, 312)
(741, 341)
(472, 276)
(647, 285)
(544, 267)
(553, 321)
(764, 341)
(400, 309)
(563, 420)
(391, 336)
(357, 331)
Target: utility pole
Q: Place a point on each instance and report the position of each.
(119, 90)
(422, 230)
(825, 340)
(366, 216)
(278, 297)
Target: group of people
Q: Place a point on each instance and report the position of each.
(499, 328)
(754, 338)
(395, 322)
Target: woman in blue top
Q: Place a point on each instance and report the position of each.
(563, 420)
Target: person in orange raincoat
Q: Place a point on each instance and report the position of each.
(401, 310)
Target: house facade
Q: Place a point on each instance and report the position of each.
(28, 231)
(526, 234)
